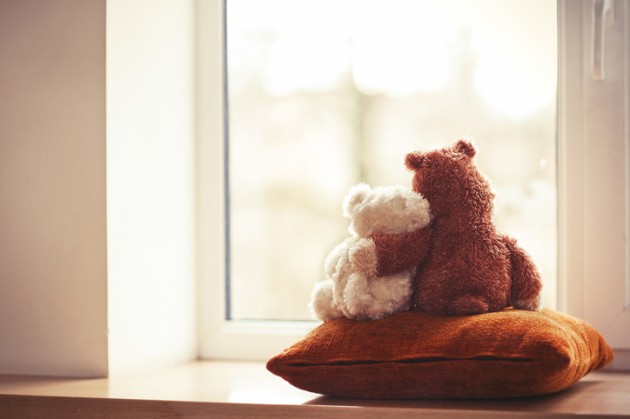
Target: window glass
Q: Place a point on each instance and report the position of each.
(323, 94)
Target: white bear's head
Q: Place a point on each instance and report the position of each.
(385, 209)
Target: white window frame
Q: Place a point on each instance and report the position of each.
(593, 164)
(221, 338)
(258, 340)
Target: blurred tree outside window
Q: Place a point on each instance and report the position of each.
(323, 94)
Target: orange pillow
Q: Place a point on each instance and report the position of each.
(412, 355)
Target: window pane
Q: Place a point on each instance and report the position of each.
(323, 94)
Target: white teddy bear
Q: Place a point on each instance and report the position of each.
(347, 293)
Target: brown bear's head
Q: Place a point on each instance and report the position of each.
(448, 178)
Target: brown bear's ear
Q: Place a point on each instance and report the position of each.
(414, 160)
(465, 147)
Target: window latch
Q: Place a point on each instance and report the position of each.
(601, 8)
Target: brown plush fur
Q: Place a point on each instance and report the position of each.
(464, 266)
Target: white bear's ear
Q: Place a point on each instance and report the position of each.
(356, 195)
(417, 212)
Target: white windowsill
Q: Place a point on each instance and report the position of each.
(234, 389)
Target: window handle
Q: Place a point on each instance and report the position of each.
(600, 10)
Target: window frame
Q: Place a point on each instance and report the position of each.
(221, 338)
(258, 340)
(593, 181)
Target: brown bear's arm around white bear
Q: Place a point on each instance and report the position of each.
(387, 254)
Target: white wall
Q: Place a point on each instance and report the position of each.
(97, 212)
(150, 176)
(53, 272)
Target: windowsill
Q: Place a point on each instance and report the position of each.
(233, 389)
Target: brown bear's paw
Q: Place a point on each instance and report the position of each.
(363, 257)
(468, 305)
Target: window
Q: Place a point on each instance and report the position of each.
(312, 112)
(349, 110)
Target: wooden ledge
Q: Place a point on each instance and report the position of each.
(238, 390)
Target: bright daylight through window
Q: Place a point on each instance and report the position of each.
(323, 94)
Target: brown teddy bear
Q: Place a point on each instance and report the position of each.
(463, 265)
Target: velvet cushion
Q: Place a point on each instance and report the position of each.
(412, 355)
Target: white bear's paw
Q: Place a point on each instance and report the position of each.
(337, 261)
(532, 304)
(322, 306)
(390, 294)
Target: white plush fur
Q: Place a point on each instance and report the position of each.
(347, 293)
